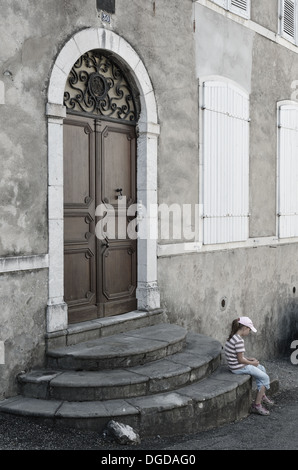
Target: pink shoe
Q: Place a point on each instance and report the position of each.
(259, 409)
(267, 401)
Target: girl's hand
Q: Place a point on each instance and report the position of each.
(254, 361)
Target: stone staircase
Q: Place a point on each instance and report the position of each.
(136, 369)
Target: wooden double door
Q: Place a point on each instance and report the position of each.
(100, 257)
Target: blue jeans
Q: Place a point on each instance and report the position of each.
(259, 373)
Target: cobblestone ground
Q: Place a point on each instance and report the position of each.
(279, 431)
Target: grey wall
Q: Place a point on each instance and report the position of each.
(265, 13)
(22, 320)
(223, 48)
(256, 281)
(273, 71)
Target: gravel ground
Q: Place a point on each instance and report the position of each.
(277, 431)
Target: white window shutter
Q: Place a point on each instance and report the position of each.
(288, 19)
(225, 163)
(288, 171)
(240, 7)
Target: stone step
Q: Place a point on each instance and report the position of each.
(102, 327)
(220, 398)
(131, 348)
(158, 378)
(200, 357)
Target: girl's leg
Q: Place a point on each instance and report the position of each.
(265, 399)
(262, 378)
(259, 374)
(260, 395)
(257, 406)
(262, 381)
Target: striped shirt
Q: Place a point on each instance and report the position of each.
(232, 347)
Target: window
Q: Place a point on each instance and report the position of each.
(225, 163)
(288, 171)
(288, 20)
(240, 7)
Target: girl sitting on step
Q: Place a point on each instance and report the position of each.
(238, 364)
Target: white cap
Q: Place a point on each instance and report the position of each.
(246, 321)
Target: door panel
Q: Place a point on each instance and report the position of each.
(120, 295)
(118, 164)
(78, 161)
(118, 260)
(100, 274)
(79, 219)
(78, 263)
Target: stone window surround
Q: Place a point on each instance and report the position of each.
(148, 131)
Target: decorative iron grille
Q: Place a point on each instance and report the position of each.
(96, 85)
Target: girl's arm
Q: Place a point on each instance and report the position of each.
(247, 361)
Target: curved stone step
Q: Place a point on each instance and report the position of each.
(220, 398)
(199, 358)
(79, 332)
(122, 350)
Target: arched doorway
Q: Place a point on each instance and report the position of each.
(99, 148)
(147, 292)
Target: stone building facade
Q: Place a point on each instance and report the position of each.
(214, 86)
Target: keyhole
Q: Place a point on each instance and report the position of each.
(119, 191)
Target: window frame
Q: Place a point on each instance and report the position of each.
(284, 34)
(229, 6)
(227, 222)
(285, 203)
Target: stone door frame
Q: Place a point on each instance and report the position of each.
(148, 131)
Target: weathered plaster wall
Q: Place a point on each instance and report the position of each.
(254, 282)
(22, 319)
(23, 227)
(265, 13)
(24, 63)
(223, 47)
(273, 71)
(258, 282)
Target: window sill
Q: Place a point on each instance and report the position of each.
(175, 249)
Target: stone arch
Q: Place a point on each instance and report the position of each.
(148, 131)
